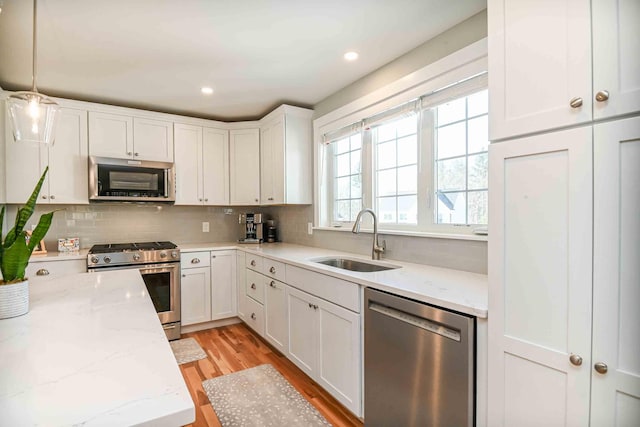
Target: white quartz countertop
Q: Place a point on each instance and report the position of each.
(453, 289)
(92, 352)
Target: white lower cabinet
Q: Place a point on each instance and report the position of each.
(275, 314)
(324, 341)
(255, 316)
(208, 286)
(240, 284)
(40, 271)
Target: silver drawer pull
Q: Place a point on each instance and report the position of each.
(576, 102)
(213, 256)
(195, 261)
(272, 270)
(253, 316)
(42, 272)
(272, 284)
(253, 286)
(253, 263)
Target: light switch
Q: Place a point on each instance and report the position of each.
(205, 227)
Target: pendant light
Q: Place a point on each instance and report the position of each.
(32, 114)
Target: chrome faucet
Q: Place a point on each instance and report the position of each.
(376, 250)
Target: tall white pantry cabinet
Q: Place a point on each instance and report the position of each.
(564, 247)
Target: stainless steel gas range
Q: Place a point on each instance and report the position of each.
(159, 265)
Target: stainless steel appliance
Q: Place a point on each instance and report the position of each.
(419, 364)
(131, 180)
(271, 231)
(251, 227)
(159, 265)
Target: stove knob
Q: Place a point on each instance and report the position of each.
(94, 259)
(136, 257)
(107, 259)
(163, 254)
(174, 254)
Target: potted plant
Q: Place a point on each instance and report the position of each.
(15, 250)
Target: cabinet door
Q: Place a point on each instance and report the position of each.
(152, 140)
(616, 274)
(540, 279)
(215, 160)
(616, 62)
(244, 168)
(110, 135)
(339, 359)
(188, 149)
(272, 167)
(266, 167)
(303, 330)
(276, 319)
(240, 284)
(223, 284)
(539, 59)
(67, 158)
(195, 295)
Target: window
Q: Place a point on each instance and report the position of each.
(422, 166)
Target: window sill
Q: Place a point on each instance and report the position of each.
(429, 234)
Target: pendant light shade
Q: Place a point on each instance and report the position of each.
(32, 114)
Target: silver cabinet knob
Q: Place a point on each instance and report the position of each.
(253, 263)
(272, 270)
(44, 197)
(195, 261)
(206, 200)
(575, 360)
(315, 306)
(199, 200)
(136, 154)
(52, 197)
(272, 284)
(310, 305)
(45, 272)
(129, 153)
(257, 200)
(602, 96)
(270, 198)
(576, 102)
(601, 367)
(253, 316)
(184, 275)
(213, 256)
(253, 286)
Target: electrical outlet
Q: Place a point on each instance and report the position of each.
(205, 227)
(309, 228)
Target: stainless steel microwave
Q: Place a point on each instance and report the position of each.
(131, 180)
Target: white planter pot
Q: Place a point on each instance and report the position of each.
(14, 299)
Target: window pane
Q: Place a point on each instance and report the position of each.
(451, 174)
(386, 155)
(408, 210)
(356, 187)
(478, 134)
(342, 164)
(356, 141)
(451, 141)
(341, 210)
(478, 171)
(407, 126)
(355, 161)
(451, 208)
(343, 190)
(451, 111)
(386, 183)
(386, 132)
(408, 180)
(478, 103)
(478, 207)
(387, 209)
(356, 206)
(342, 145)
(407, 150)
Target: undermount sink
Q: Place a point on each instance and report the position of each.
(354, 265)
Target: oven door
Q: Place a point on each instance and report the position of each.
(163, 285)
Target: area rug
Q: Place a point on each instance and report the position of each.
(259, 396)
(187, 350)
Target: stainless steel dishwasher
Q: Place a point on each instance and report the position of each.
(419, 364)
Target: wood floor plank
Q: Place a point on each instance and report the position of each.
(234, 348)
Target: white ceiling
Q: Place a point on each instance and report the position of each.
(256, 54)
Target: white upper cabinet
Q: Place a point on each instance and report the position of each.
(539, 63)
(541, 74)
(244, 167)
(285, 157)
(126, 137)
(202, 165)
(616, 57)
(66, 181)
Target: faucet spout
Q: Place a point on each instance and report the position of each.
(376, 250)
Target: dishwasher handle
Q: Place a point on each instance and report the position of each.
(417, 321)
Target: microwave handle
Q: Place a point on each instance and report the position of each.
(166, 183)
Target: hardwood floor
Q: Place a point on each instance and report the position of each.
(234, 348)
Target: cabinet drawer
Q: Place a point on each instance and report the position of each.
(273, 269)
(47, 270)
(337, 291)
(255, 316)
(255, 286)
(254, 262)
(194, 260)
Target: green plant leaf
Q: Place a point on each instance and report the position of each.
(15, 260)
(40, 231)
(24, 213)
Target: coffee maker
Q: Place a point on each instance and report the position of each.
(251, 227)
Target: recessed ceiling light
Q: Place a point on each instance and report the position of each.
(351, 56)
(206, 90)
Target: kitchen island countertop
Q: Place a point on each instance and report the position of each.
(91, 351)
